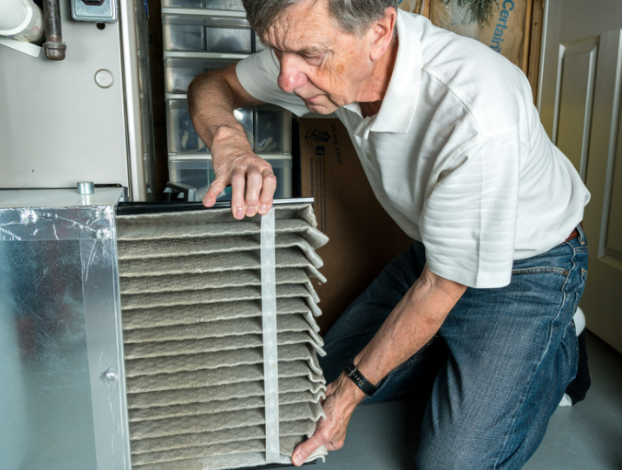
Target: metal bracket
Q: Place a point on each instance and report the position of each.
(105, 11)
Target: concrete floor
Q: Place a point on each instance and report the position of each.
(587, 436)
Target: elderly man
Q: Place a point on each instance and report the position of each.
(453, 148)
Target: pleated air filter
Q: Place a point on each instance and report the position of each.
(220, 338)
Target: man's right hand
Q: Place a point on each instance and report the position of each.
(212, 97)
(252, 184)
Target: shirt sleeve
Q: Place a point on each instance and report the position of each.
(259, 74)
(468, 221)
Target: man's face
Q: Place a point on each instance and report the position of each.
(320, 63)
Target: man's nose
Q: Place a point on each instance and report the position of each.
(291, 77)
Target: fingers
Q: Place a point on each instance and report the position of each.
(238, 185)
(254, 183)
(327, 393)
(252, 186)
(267, 192)
(215, 188)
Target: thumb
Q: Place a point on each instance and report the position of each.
(304, 450)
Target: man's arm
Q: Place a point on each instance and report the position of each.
(212, 97)
(413, 322)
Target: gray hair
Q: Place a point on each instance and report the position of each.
(353, 16)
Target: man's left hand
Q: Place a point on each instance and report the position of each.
(342, 396)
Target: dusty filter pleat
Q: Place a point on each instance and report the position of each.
(195, 313)
(193, 305)
(177, 348)
(222, 392)
(214, 360)
(292, 428)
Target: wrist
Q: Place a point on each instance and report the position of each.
(351, 392)
(230, 137)
(348, 390)
(357, 377)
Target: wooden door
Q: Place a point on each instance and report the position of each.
(581, 84)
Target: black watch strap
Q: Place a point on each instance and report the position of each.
(360, 380)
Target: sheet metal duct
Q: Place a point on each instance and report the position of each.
(63, 388)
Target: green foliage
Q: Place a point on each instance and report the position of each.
(480, 10)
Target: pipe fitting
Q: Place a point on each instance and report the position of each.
(21, 20)
(85, 188)
(54, 46)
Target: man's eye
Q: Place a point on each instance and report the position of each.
(312, 58)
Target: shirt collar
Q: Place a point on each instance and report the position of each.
(399, 103)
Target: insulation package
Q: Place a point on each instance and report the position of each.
(219, 336)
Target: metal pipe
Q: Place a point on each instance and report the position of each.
(85, 188)
(54, 46)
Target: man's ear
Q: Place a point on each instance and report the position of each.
(382, 32)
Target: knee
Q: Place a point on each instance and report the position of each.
(450, 459)
(452, 452)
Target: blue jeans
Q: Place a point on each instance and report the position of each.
(498, 366)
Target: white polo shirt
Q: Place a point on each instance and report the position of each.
(456, 155)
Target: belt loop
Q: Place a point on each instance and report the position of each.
(581, 233)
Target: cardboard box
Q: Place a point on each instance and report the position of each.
(502, 32)
(363, 238)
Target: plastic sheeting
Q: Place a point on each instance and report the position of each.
(62, 393)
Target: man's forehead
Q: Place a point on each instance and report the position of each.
(306, 27)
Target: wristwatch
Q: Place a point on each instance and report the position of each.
(359, 379)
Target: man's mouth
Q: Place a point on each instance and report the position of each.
(312, 99)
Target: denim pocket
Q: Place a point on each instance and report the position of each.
(540, 270)
(548, 272)
(555, 261)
